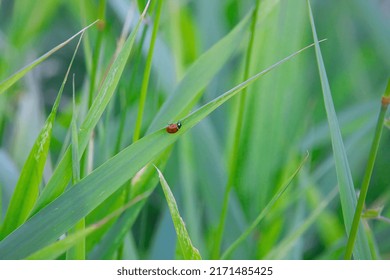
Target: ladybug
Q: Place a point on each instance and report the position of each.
(173, 127)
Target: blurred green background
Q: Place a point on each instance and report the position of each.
(284, 115)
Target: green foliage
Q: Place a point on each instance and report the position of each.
(27, 188)
(4, 85)
(188, 251)
(249, 112)
(344, 177)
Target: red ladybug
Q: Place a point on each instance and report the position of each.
(173, 127)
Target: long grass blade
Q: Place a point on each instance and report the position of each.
(344, 178)
(27, 187)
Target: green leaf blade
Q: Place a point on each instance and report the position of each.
(188, 250)
(344, 177)
(27, 188)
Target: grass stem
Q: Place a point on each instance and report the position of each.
(148, 67)
(368, 173)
